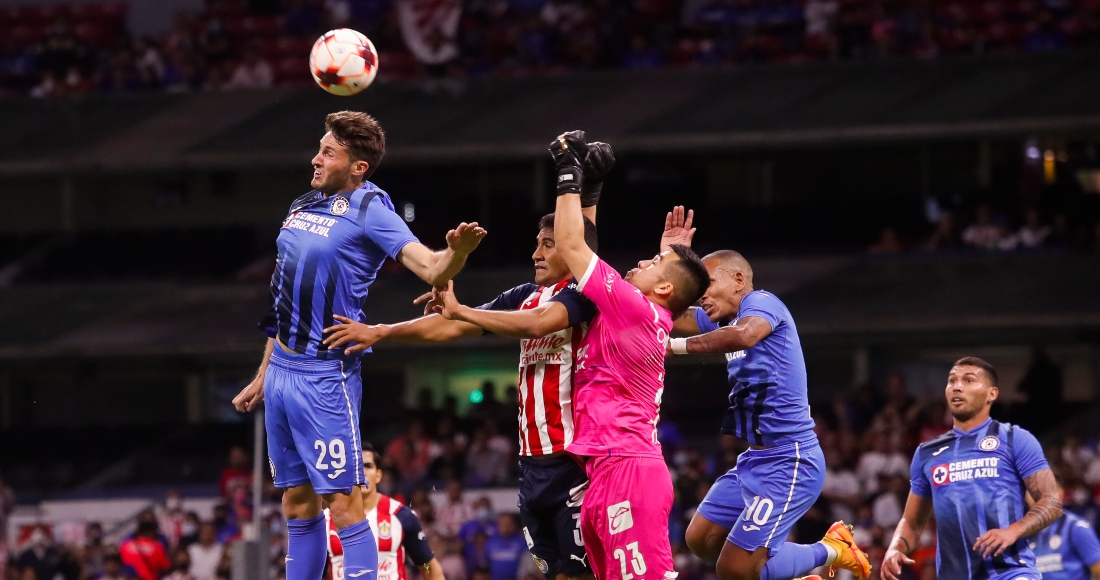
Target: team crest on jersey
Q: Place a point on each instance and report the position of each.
(340, 206)
(989, 443)
(939, 474)
(1055, 542)
(543, 566)
(384, 530)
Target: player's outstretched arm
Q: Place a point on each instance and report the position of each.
(568, 151)
(744, 333)
(428, 329)
(1044, 489)
(433, 570)
(533, 323)
(918, 510)
(436, 268)
(253, 394)
(685, 324)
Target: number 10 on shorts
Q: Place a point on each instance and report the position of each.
(758, 512)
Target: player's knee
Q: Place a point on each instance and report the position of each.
(345, 508)
(736, 564)
(301, 503)
(703, 542)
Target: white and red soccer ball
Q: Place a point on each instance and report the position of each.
(343, 62)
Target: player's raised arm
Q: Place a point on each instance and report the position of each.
(918, 509)
(436, 268)
(567, 150)
(531, 323)
(597, 164)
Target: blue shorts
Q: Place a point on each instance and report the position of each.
(312, 422)
(777, 485)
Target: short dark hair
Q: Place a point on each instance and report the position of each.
(690, 279)
(547, 223)
(377, 455)
(361, 135)
(973, 361)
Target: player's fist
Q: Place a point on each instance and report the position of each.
(569, 151)
(597, 164)
(465, 238)
(250, 396)
(892, 563)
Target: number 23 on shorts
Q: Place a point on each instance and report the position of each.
(637, 561)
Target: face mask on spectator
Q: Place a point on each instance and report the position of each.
(189, 529)
(484, 514)
(173, 504)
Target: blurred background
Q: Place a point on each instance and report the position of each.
(918, 180)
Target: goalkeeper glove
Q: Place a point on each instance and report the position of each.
(597, 164)
(569, 151)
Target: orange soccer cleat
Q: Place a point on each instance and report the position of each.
(848, 555)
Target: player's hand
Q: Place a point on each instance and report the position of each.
(995, 542)
(465, 238)
(569, 151)
(678, 228)
(348, 331)
(597, 164)
(429, 299)
(447, 304)
(250, 396)
(892, 563)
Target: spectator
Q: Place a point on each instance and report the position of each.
(95, 551)
(144, 552)
(112, 568)
(946, 235)
(455, 512)
(505, 549)
(449, 553)
(841, 486)
(1034, 232)
(149, 518)
(253, 72)
(225, 525)
(173, 518)
(411, 452)
(483, 522)
(181, 567)
(983, 233)
(880, 460)
(485, 465)
(41, 558)
(476, 554)
(889, 505)
(238, 473)
(206, 553)
(189, 531)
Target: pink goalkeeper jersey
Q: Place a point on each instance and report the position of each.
(620, 369)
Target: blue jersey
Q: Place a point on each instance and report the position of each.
(768, 400)
(976, 482)
(1066, 549)
(330, 250)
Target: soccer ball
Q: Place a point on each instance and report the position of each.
(343, 62)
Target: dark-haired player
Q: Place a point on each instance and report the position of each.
(398, 531)
(975, 478)
(619, 382)
(744, 520)
(549, 316)
(331, 245)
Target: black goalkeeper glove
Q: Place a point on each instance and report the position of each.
(597, 165)
(569, 151)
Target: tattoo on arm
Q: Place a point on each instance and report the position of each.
(1048, 502)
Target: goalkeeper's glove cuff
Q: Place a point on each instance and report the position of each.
(590, 193)
(569, 180)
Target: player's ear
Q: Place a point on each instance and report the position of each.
(664, 289)
(359, 169)
(993, 393)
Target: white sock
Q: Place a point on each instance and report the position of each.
(832, 554)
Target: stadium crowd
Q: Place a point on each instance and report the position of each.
(234, 44)
(868, 437)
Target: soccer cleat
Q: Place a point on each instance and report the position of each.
(848, 555)
(814, 577)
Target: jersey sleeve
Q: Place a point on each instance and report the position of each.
(918, 483)
(510, 299)
(415, 541)
(617, 300)
(580, 309)
(1028, 454)
(385, 228)
(763, 305)
(703, 321)
(1085, 543)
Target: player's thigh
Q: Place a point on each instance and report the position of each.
(288, 469)
(705, 538)
(571, 486)
(779, 486)
(632, 520)
(550, 497)
(324, 419)
(722, 505)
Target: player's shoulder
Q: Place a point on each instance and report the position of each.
(935, 445)
(367, 196)
(764, 298)
(304, 200)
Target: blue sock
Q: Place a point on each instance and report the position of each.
(792, 561)
(360, 552)
(307, 548)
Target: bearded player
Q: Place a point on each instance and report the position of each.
(976, 478)
(331, 245)
(397, 529)
(744, 520)
(619, 382)
(549, 316)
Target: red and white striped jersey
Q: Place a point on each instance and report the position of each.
(394, 527)
(546, 381)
